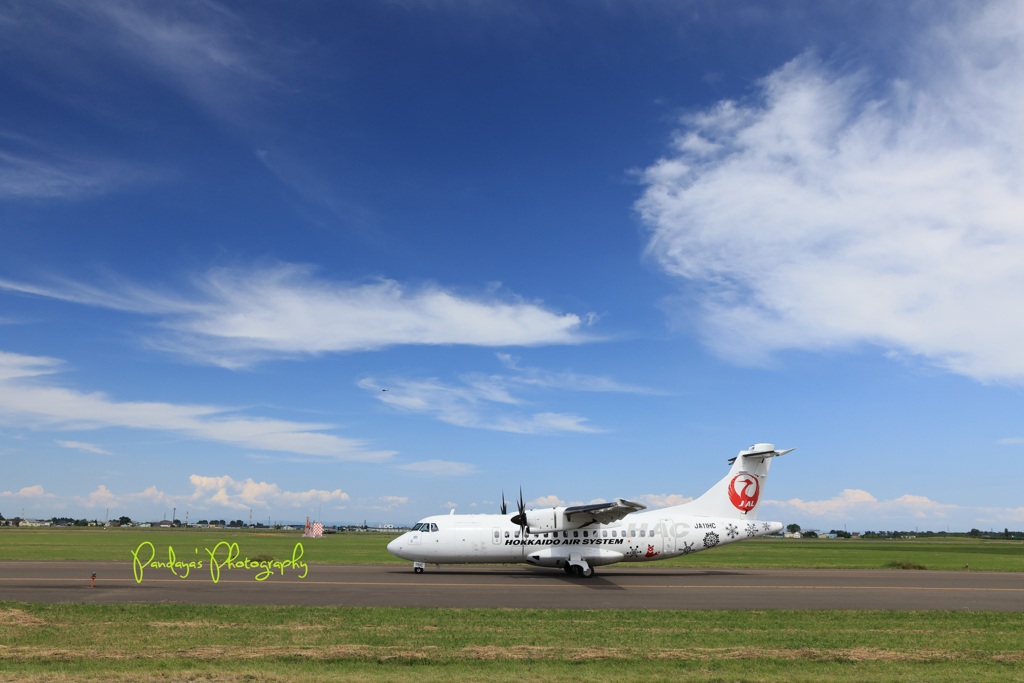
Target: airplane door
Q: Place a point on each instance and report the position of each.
(668, 535)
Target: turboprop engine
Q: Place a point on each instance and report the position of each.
(551, 519)
(575, 517)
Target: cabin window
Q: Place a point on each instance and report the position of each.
(632, 532)
(642, 533)
(604, 534)
(585, 533)
(575, 534)
(614, 533)
(506, 534)
(565, 534)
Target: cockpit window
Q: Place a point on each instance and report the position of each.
(433, 527)
(418, 526)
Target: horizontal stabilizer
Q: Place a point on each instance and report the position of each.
(760, 450)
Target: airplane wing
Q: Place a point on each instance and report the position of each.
(601, 513)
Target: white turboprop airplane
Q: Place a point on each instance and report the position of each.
(582, 537)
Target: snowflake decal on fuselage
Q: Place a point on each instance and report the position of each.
(633, 552)
(687, 548)
(732, 531)
(751, 530)
(710, 539)
(766, 526)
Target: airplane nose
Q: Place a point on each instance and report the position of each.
(395, 546)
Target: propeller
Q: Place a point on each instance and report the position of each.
(520, 519)
(504, 507)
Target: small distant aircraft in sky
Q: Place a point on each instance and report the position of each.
(581, 537)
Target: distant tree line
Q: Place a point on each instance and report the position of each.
(973, 533)
(220, 522)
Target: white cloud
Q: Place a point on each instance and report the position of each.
(208, 493)
(662, 500)
(236, 317)
(852, 504)
(81, 446)
(102, 497)
(551, 501)
(26, 400)
(28, 492)
(839, 210)
(224, 491)
(439, 468)
(387, 503)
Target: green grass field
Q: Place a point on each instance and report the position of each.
(369, 548)
(68, 642)
(198, 643)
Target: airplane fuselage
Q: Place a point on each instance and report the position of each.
(461, 539)
(581, 537)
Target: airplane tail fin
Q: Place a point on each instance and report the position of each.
(739, 492)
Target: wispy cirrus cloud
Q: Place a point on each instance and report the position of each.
(202, 50)
(840, 209)
(79, 54)
(30, 397)
(28, 171)
(82, 446)
(500, 401)
(227, 64)
(476, 404)
(237, 317)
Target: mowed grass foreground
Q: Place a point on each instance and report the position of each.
(369, 548)
(160, 642)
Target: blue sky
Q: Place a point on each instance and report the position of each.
(374, 261)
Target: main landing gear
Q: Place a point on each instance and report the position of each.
(582, 569)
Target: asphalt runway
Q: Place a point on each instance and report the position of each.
(518, 587)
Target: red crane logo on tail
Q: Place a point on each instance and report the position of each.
(743, 492)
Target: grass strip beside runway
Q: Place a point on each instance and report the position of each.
(160, 642)
(369, 548)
